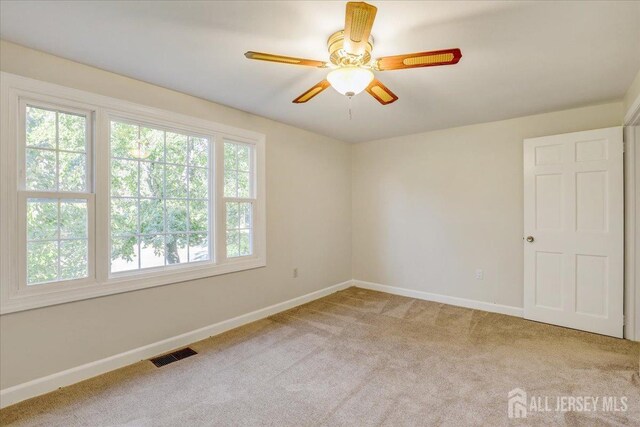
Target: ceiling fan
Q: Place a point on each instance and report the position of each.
(351, 62)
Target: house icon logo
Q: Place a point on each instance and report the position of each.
(517, 406)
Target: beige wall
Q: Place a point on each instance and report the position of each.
(302, 169)
(633, 93)
(632, 190)
(429, 209)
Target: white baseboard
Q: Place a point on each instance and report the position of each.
(445, 299)
(39, 386)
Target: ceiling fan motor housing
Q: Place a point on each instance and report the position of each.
(338, 55)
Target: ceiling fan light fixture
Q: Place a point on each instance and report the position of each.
(139, 151)
(350, 81)
(351, 61)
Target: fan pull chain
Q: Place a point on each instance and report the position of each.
(350, 115)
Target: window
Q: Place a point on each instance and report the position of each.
(238, 198)
(159, 197)
(56, 194)
(104, 196)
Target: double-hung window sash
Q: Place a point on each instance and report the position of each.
(56, 199)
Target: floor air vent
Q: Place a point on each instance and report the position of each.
(173, 357)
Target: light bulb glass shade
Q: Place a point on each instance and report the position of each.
(350, 80)
(140, 151)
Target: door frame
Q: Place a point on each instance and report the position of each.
(631, 212)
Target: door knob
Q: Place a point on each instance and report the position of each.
(530, 239)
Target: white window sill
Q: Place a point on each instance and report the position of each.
(58, 294)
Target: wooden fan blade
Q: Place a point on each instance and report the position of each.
(312, 92)
(381, 92)
(357, 26)
(285, 59)
(419, 59)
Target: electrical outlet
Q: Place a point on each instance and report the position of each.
(295, 273)
(479, 274)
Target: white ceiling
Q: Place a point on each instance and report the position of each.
(519, 58)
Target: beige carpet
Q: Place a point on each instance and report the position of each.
(358, 358)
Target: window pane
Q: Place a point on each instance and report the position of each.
(42, 219)
(176, 215)
(71, 130)
(124, 177)
(41, 169)
(50, 256)
(199, 152)
(73, 219)
(124, 216)
(238, 170)
(198, 183)
(124, 139)
(42, 262)
(168, 200)
(244, 185)
(245, 213)
(151, 216)
(176, 248)
(243, 158)
(230, 156)
(245, 243)
(239, 224)
(198, 247)
(151, 251)
(73, 171)
(176, 148)
(198, 216)
(232, 215)
(230, 184)
(73, 259)
(176, 182)
(233, 243)
(124, 254)
(47, 168)
(151, 179)
(151, 144)
(41, 128)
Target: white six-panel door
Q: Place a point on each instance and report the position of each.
(573, 226)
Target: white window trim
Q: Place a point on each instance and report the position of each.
(12, 299)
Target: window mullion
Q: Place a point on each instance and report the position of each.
(58, 239)
(239, 199)
(53, 195)
(165, 226)
(139, 231)
(219, 223)
(188, 202)
(58, 152)
(236, 173)
(101, 175)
